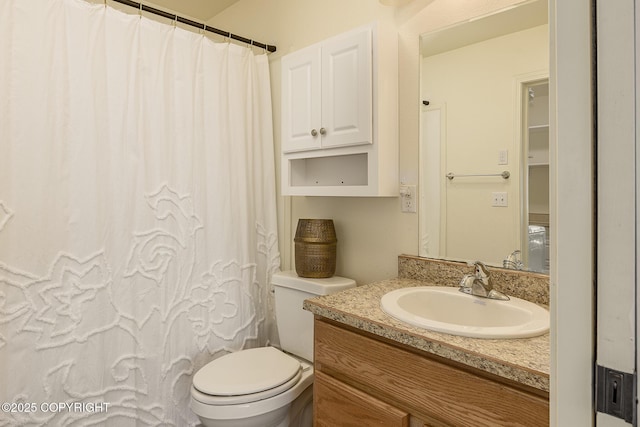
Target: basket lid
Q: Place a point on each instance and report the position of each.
(315, 231)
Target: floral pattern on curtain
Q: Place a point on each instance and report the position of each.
(138, 229)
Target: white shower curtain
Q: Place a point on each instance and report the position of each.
(137, 213)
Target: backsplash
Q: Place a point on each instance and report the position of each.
(525, 285)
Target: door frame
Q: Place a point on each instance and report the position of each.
(571, 207)
(617, 193)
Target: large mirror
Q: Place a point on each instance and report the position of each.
(484, 132)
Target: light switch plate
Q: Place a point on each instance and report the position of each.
(503, 157)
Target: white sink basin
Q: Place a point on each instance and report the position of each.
(445, 309)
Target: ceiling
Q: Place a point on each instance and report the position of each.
(201, 10)
(526, 15)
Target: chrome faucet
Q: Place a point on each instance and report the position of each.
(480, 284)
(513, 261)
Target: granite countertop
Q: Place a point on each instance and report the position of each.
(525, 361)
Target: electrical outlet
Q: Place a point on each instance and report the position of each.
(499, 199)
(408, 198)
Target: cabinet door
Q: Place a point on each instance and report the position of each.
(428, 388)
(301, 100)
(347, 91)
(336, 404)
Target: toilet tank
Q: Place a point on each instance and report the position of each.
(295, 325)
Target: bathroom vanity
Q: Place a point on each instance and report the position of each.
(371, 369)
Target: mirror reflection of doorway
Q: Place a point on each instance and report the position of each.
(536, 166)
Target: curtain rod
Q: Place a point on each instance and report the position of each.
(205, 27)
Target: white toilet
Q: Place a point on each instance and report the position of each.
(267, 387)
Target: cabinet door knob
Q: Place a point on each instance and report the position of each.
(323, 131)
(314, 132)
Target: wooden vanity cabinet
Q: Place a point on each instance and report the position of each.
(362, 379)
(343, 405)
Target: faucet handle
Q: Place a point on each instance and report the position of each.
(482, 274)
(481, 270)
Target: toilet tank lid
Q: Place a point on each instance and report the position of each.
(330, 285)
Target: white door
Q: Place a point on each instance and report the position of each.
(301, 100)
(347, 91)
(617, 211)
(432, 190)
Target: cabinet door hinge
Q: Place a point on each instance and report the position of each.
(616, 393)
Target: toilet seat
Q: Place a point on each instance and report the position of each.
(246, 376)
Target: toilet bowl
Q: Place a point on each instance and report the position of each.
(254, 387)
(266, 386)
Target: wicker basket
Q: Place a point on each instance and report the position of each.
(315, 248)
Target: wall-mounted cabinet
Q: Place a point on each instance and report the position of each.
(339, 121)
(326, 93)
